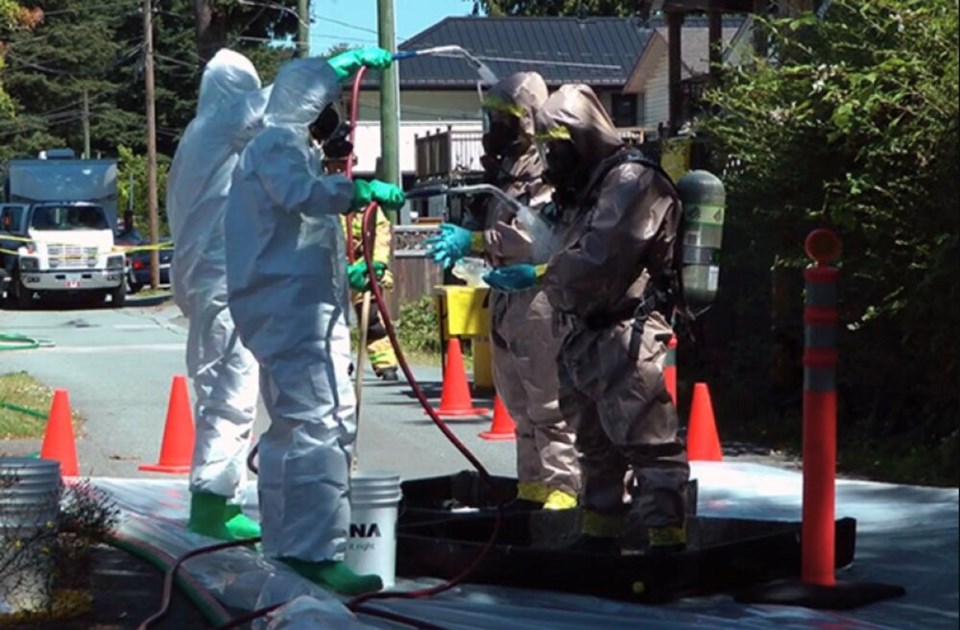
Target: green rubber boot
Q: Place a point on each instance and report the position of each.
(335, 576)
(239, 524)
(211, 516)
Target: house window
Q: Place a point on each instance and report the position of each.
(623, 109)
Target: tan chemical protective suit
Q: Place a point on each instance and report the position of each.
(525, 337)
(611, 376)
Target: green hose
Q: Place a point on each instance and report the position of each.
(15, 341)
(21, 409)
(212, 609)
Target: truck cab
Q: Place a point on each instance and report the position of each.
(62, 248)
(57, 229)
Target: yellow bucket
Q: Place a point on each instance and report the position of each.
(463, 311)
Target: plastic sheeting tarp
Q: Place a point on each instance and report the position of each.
(905, 535)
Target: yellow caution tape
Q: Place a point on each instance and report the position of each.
(142, 248)
(11, 237)
(117, 248)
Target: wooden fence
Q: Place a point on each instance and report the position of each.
(414, 273)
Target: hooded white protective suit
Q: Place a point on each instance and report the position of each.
(288, 296)
(229, 112)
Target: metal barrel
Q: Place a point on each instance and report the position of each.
(29, 507)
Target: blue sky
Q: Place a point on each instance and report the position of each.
(355, 21)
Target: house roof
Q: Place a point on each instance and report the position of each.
(598, 51)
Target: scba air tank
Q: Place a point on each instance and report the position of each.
(704, 203)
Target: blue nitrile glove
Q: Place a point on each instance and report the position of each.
(452, 244)
(514, 277)
(347, 63)
(387, 195)
(359, 279)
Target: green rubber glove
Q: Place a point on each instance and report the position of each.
(357, 276)
(347, 63)
(387, 195)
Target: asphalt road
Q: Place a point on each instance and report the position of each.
(117, 366)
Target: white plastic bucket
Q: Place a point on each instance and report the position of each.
(372, 541)
(29, 506)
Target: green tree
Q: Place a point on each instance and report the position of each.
(132, 187)
(853, 124)
(221, 23)
(51, 67)
(14, 18)
(102, 51)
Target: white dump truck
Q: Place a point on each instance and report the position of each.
(57, 230)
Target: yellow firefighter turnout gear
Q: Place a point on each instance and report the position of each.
(382, 357)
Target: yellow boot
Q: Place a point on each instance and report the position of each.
(599, 534)
(667, 539)
(531, 491)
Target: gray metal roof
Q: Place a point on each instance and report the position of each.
(597, 51)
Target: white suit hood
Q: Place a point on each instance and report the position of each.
(226, 75)
(300, 92)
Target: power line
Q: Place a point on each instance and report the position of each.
(347, 24)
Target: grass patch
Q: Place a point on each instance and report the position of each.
(20, 395)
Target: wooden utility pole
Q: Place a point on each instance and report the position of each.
(86, 125)
(151, 143)
(303, 28)
(389, 100)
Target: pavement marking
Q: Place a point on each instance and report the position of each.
(148, 347)
(136, 326)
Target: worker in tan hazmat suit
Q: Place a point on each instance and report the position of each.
(525, 336)
(614, 280)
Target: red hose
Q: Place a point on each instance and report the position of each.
(368, 238)
(367, 233)
(354, 116)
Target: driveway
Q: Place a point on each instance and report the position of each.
(117, 366)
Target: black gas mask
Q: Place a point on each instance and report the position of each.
(326, 124)
(501, 134)
(561, 163)
(338, 146)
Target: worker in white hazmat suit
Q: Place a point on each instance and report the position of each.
(525, 336)
(288, 295)
(614, 280)
(225, 376)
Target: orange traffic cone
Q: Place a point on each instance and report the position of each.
(503, 426)
(703, 443)
(58, 441)
(176, 452)
(455, 399)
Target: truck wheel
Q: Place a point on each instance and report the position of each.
(118, 297)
